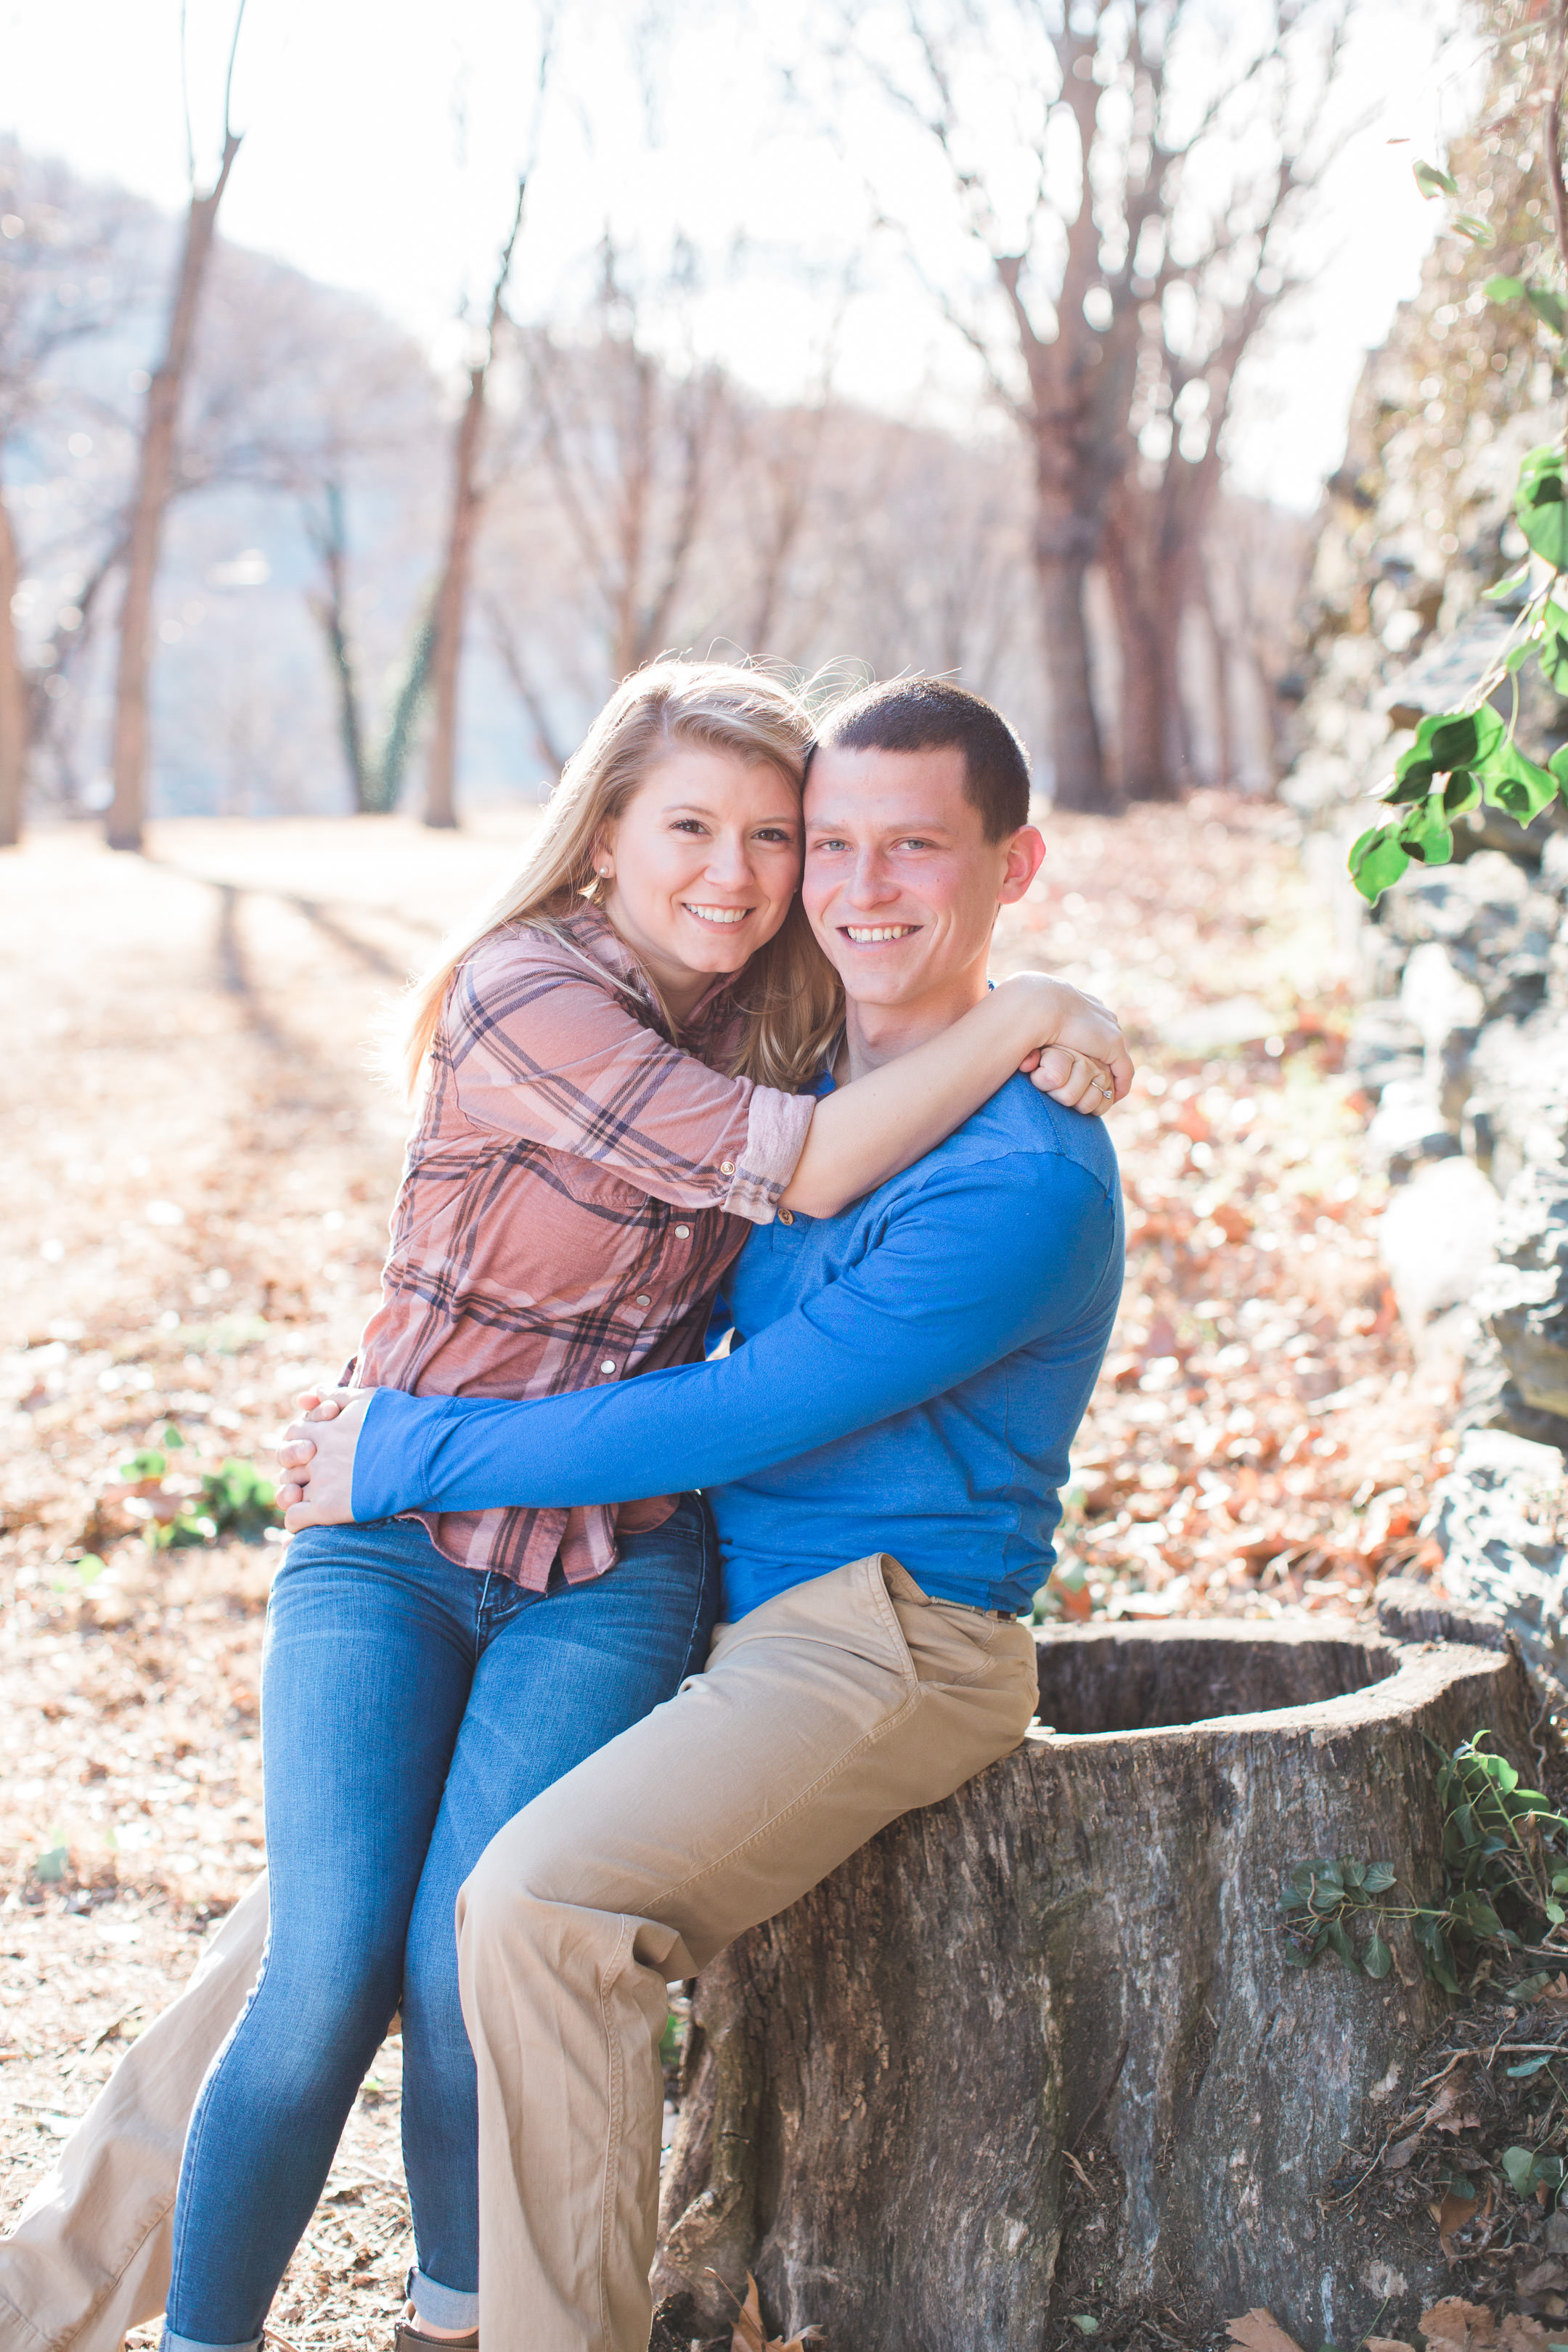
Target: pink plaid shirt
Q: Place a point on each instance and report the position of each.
(574, 1191)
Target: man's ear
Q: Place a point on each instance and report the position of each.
(1025, 855)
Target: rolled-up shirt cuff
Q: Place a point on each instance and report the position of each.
(777, 1124)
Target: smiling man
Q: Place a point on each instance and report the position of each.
(883, 1447)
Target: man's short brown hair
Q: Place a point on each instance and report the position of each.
(928, 714)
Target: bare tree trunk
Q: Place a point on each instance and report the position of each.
(1224, 714)
(551, 755)
(1076, 753)
(1145, 771)
(452, 595)
(128, 808)
(13, 694)
(330, 610)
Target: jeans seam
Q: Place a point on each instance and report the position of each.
(204, 2108)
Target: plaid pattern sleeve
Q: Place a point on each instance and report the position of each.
(574, 1190)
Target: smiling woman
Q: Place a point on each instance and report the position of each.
(701, 866)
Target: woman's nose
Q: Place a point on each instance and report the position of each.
(729, 861)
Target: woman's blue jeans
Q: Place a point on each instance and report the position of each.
(409, 1709)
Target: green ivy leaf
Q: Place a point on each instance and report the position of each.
(1376, 1959)
(1479, 231)
(1555, 660)
(1517, 785)
(1380, 1877)
(1433, 183)
(1461, 793)
(1466, 741)
(1519, 2163)
(1503, 289)
(1339, 1944)
(1539, 505)
(1377, 861)
(1473, 1910)
(1531, 2066)
(1548, 305)
(1424, 836)
(1517, 655)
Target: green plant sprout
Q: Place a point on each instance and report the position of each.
(1463, 759)
(1502, 1883)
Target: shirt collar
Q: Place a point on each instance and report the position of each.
(598, 937)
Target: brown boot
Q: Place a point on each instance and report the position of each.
(409, 2339)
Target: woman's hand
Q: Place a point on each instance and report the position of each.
(318, 1455)
(1075, 1050)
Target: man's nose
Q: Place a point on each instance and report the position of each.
(870, 882)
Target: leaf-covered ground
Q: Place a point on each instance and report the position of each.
(197, 1163)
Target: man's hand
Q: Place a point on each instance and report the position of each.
(318, 1456)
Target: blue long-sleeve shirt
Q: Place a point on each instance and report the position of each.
(908, 1378)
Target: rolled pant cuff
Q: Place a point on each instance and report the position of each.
(442, 2306)
(172, 2342)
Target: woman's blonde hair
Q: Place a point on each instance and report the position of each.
(789, 992)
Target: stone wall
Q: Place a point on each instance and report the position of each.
(1462, 1041)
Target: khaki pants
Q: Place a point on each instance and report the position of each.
(820, 1717)
(88, 2257)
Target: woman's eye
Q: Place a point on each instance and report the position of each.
(688, 825)
(775, 832)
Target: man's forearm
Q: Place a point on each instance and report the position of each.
(910, 1324)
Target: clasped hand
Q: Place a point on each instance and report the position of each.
(317, 1455)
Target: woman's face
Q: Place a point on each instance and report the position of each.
(704, 860)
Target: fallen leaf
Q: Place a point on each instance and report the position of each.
(1456, 2213)
(1557, 1992)
(1454, 2326)
(1453, 2109)
(748, 2335)
(1399, 2155)
(1541, 2276)
(1518, 2335)
(1259, 2331)
(1385, 2344)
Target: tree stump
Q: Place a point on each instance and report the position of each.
(1038, 2051)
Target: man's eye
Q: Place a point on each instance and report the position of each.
(819, 846)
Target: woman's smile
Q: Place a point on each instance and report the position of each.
(711, 914)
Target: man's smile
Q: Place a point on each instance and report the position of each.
(868, 935)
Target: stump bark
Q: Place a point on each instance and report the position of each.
(1038, 2052)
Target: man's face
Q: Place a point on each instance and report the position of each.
(901, 883)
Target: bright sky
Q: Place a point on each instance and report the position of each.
(382, 137)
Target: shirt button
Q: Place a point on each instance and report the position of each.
(786, 1216)
(726, 1167)
(683, 1233)
(643, 1298)
(608, 1365)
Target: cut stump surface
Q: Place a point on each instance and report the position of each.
(1038, 2051)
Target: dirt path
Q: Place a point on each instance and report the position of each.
(198, 1162)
